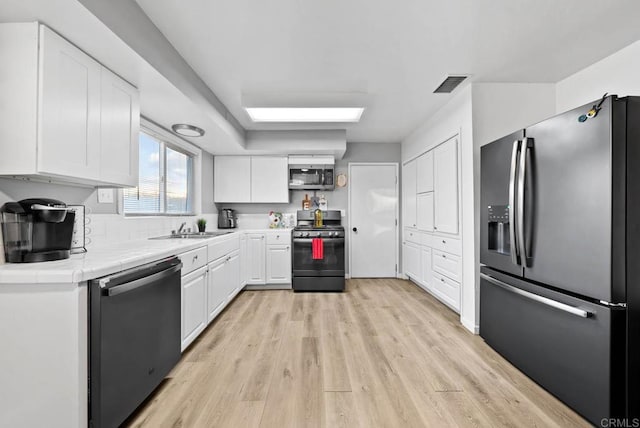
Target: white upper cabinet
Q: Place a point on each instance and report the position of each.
(445, 173)
(60, 112)
(120, 130)
(425, 173)
(269, 179)
(69, 110)
(232, 179)
(260, 179)
(409, 193)
(425, 211)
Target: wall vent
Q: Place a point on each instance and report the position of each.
(449, 84)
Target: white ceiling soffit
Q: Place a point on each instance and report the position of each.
(161, 100)
(395, 51)
(307, 142)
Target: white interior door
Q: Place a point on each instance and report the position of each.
(373, 213)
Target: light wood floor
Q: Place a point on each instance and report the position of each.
(383, 354)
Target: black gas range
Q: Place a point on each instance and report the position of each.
(318, 253)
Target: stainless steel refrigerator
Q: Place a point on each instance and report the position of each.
(560, 255)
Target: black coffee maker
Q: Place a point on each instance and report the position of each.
(36, 230)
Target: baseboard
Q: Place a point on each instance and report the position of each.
(471, 326)
(401, 276)
(347, 276)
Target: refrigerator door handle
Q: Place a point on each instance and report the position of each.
(513, 238)
(540, 299)
(524, 148)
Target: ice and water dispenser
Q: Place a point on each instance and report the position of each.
(498, 224)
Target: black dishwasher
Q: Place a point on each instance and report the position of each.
(134, 337)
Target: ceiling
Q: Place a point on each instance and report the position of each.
(396, 52)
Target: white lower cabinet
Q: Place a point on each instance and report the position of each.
(278, 264)
(427, 277)
(412, 260)
(435, 270)
(256, 255)
(194, 305)
(216, 293)
(223, 283)
(446, 290)
(266, 259)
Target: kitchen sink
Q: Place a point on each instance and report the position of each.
(193, 235)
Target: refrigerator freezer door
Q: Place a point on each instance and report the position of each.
(568, 206)
(544, 333)
(497, 247)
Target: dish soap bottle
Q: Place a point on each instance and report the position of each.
(318, 218)
(306, 202)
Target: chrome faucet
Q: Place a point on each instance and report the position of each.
(181, 227)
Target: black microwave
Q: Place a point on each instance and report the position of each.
(311, 177)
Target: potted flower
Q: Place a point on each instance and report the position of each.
(202, 225)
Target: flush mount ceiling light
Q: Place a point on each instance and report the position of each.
(187, 130)
(305, 114)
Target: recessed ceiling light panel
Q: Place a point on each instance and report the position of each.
(187, 130)
(305, 114)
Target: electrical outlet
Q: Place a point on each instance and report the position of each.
(105, 196)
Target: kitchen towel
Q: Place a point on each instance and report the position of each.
(317, 248)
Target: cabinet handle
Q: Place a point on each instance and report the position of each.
(442, 279)
(435, 228)
(195, 257)
(444, 242)
(444, 256)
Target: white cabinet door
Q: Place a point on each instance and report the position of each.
(269, 179)
(427, 276)
(232, 179)
(425, 211)
(425, 173)
(409, 193)
(445, 165)
(411, 257)
(244, 260)
(279, 264)
(120, 126)
(232, 275)
(256, 249)
(194, 305)
(216, 292)
(69, 110)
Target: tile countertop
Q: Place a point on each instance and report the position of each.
(105, 260)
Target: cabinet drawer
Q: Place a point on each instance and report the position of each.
(279, 238)
(222, 248)
(413, 236)
(192, 260)
(447, 264)
(448, 245)
(446, 290)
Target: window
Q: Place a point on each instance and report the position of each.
(165, 183)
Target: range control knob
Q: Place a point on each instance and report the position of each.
(306, 234)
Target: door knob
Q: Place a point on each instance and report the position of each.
(355, 229)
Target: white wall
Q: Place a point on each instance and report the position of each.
(502, 108)
(455, 118)
(617, 74)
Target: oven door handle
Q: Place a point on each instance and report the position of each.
(305, 240)
(147, 280)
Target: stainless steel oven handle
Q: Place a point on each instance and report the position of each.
(513, 239)
(129, 286)
(540, 299)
